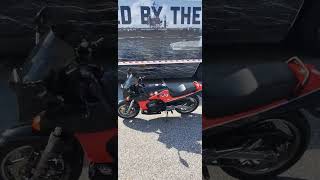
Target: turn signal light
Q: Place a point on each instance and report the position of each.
(36, 123)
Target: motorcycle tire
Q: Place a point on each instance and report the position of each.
(196, 98)
(72, 160)
(301, 123)
(133, 115)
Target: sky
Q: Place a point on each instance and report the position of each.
(135, 8)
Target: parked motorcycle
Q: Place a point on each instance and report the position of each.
(77, 117)
(253, 127)
(156, 98)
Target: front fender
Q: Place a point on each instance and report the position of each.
(121, 101)
(20, 132)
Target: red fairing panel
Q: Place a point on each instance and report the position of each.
(197, 85)
(94, 145)
(214, 122)
(166, 97)
(314, 78)
(143, 104)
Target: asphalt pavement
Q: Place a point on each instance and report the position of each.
(161, 147)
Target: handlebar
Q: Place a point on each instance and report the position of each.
(97, 41)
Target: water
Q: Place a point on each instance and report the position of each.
(155, 48)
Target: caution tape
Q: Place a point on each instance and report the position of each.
(135, 62)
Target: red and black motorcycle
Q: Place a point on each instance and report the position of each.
(253, 127)
(156, 98)
(75, 116)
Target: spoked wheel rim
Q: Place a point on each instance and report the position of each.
(16, 165)
(284, 150)
(11, 168)
(123, 111)
(189, 106)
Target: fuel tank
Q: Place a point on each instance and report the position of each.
(151, 89)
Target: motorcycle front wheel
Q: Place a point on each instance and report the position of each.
(19, 158)
(123, 111)
(288, 148)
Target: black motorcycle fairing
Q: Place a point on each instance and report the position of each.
(86, 106)
(50, 55)
(154, 88)
(155, 106)
(182, 89)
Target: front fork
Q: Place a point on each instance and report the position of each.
(54, 139)
(130, 106)
(205, 172)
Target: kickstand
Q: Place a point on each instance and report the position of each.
(167, 115)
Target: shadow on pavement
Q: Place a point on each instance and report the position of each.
(182, 133)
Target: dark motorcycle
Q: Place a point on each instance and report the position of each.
(253, 127)
(76, 115)
(154, 99)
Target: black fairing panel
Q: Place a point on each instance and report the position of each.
(182, 89)
(247, 89)
(153, 88)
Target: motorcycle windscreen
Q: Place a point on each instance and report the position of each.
(130, 81)
(49, 55)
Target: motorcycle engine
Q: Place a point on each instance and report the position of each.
(156, 106)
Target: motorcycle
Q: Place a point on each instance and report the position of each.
(154, 99)
(253, 127)
(76, 119)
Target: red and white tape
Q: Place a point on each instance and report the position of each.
(122, 62)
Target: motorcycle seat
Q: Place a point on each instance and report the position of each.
(182, 89)
(247, 89)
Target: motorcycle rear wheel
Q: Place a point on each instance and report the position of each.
(14, 166)
(302, 127)
(190, 107)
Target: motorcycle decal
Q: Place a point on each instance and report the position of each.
(166, 97)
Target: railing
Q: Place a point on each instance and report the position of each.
(123, 62)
